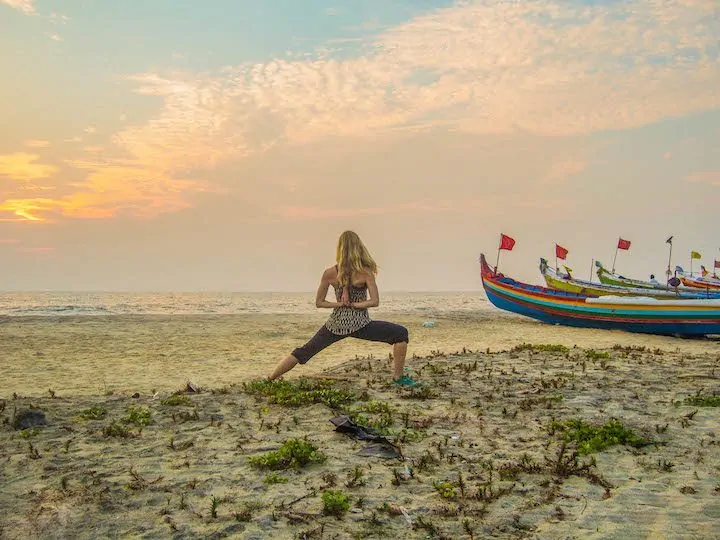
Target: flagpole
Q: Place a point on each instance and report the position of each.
(691, 273)
(669, 261)
(615, 258)
(592, 263)
(497, 261)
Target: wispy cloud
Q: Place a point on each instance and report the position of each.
(489, 205)
(562, 170)
(58, 19)
(36, 249)
(26, 209)
(37, 143)
(542, 67)
(25, 6)
(704, 177)
(21, 167)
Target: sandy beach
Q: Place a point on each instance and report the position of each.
(485, 445)
(79, 355)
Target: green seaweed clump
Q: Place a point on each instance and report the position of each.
(94, 413)
(294, 453)
(592, 354)
(445, 489)
(116, 430)
(300, 392)
(374, 414)
(140, 416)
(699, 400)
(274, 478)
(335, 503)
(175, 400)
(591, 439)
(541, 347)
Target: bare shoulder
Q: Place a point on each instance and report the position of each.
(367, 275)
(330, 273)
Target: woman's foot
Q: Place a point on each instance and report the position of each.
(405, 382)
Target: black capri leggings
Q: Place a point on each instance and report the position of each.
(383, 331)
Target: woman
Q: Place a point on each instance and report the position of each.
(352, 278)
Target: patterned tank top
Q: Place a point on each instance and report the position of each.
(346, 320)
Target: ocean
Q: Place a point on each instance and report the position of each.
(19, 304)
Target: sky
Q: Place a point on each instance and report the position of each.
(177, 145)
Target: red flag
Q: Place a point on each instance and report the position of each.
(560, 252)
(506, 242)
(623, 244)
(717, 264)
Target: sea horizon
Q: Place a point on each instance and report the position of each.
(53, 303)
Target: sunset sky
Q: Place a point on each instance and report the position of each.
(172, 145)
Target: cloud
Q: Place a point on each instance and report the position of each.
(21, 166)
(704, 177)
(58, 19)
(544, 67)
(560, 171)
(24, 6)
(36, 250)
(489, 205)
(37, 143)
(541, 67)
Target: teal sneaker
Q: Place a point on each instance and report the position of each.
(410, 372)
(405, 382)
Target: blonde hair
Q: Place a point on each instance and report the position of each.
(352, 256)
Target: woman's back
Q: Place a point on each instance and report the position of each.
(345, 319)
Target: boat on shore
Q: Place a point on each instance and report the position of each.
(706, 283)
(567, 283)
(633, 314)
(607, 277)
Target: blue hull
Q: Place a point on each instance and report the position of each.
(670, 328)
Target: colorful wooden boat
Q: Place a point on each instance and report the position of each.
(632, 314)
(707, 283)
(609, 278)
(567, 283)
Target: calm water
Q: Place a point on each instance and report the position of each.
(57, 303)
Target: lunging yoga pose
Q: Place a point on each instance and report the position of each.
(353, 277)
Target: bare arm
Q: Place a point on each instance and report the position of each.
(322, 290)
(374, 300)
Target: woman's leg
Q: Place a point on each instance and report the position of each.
(399, 354)
(283, 367)
(322, 339)
(391, 333)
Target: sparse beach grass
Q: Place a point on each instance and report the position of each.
(542, 441)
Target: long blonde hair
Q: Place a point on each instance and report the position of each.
(352, 256)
